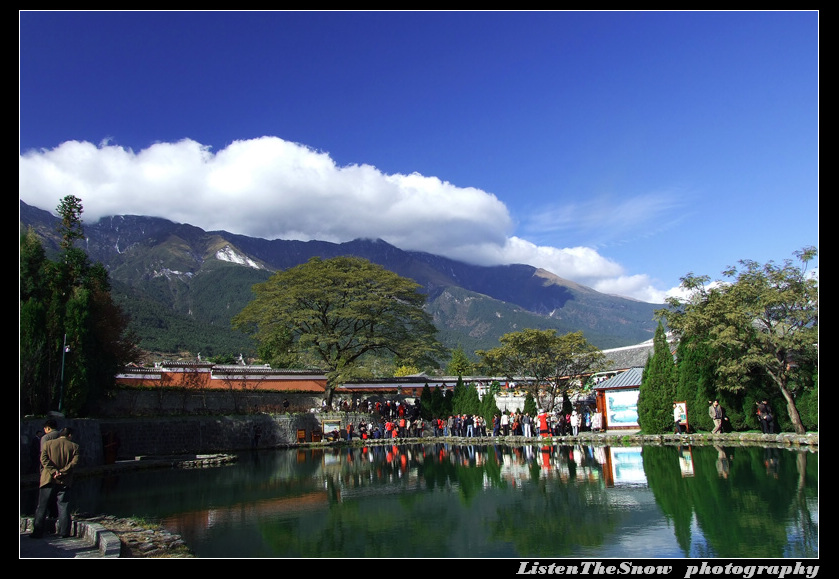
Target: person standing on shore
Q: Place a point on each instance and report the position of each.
(715, 412)
(677, 419)
(764, 413)
(525, 425)
(544, 424)
(59, 458)
(51, 432)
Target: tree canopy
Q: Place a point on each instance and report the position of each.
(336, 313)
(762, 320)
(553, 363)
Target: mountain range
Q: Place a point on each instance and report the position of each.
(181, 286)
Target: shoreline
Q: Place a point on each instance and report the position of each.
(808, 442)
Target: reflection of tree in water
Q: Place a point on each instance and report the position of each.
(560, 506)
(749, 512)
(455, 501)
(552, 517)
(413, 521)
(669, 490)
(802, 518)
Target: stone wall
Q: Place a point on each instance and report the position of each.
(205, 434)
(85, 431)
(169, 436)
(175, 402)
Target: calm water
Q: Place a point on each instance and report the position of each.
(438, 500)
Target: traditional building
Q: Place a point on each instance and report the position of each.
(617, 399)
(207, 376)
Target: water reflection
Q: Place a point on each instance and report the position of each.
(439, 500)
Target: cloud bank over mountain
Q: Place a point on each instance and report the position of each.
(275, 189)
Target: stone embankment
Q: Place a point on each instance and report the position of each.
(112, 537)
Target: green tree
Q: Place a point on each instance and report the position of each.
(554, 363)
(488, 406)
(73, 337)
(339, 312)
(763, 320)
(658, 388)
(695, 382)
(458, 397)
(426, 404)
(438, 403)
(37, 360)
(471, 402)
(459, 365)
(530, 405)
(405, 370)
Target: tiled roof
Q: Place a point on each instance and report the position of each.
(631, 377)
(631, 356)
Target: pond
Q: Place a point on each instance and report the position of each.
(448, 501)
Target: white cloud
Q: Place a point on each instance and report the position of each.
(606, 220)
(271, 188)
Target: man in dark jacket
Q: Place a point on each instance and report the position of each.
(767, 425)
(59, 458)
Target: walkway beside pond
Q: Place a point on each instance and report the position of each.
(615, 437)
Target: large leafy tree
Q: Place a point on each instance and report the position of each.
(73, 337)
(339, 312)
(764, 320)
(553, 363)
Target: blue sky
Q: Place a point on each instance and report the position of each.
(620, 150)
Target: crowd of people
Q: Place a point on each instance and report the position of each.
(402, 420)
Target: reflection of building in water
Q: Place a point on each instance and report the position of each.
(686, 461)
(203, 521)
(624, 466)
(350, 472)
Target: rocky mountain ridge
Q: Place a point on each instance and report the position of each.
(204, 277)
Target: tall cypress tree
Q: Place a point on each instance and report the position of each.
(471, 400)
(438, 403)
(488, 406)
(695, 382)
(426, 404)
(658, 388)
